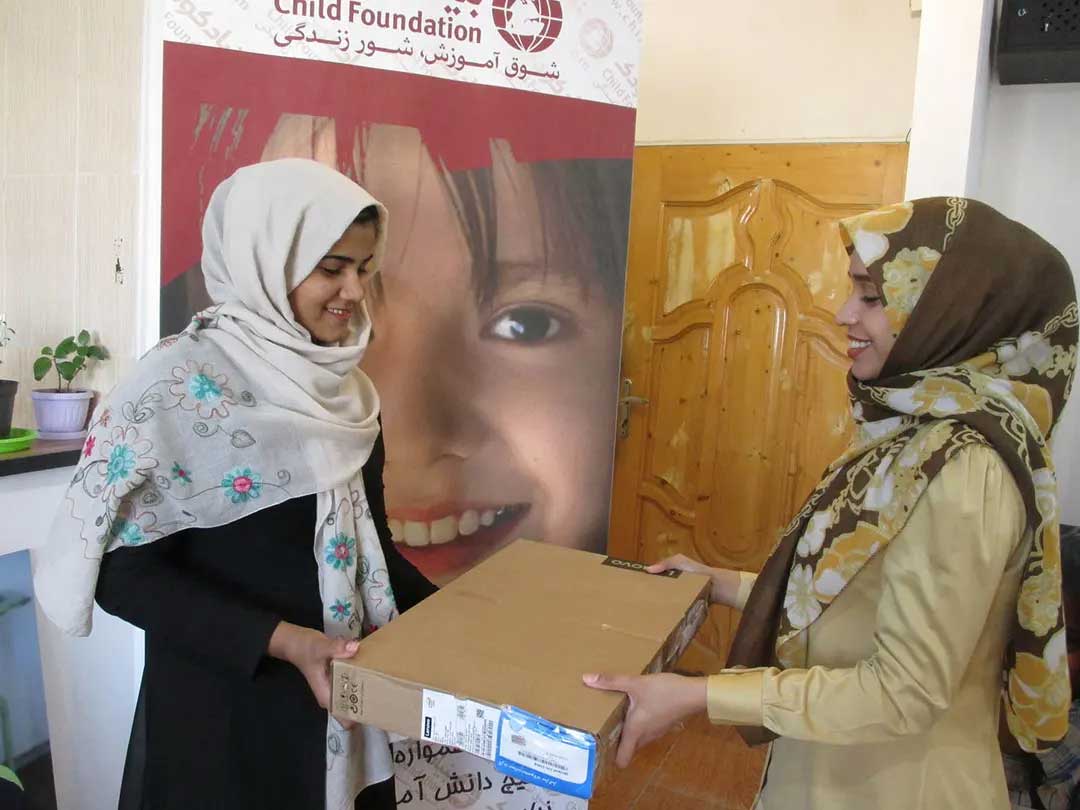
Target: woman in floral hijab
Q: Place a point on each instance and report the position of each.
(917, 594)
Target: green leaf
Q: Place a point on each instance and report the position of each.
(97, 352)
(67, 370)
(84, 338)
(82, 351)
(46, 351)
(78, 361)
(66, 347)
(41, 368)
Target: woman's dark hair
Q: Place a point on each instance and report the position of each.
(368, 215)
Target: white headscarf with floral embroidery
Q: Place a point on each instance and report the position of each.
(239, 412)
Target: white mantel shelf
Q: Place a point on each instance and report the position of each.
(88, 724)
(28, 503)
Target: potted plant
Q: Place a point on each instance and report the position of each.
(61, 412)
(7, 387)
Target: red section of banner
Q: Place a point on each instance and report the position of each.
(457, 121)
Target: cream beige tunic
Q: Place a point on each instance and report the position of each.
(898, 705)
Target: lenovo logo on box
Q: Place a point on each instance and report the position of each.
(632, 565)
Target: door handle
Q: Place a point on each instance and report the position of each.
(626, 402)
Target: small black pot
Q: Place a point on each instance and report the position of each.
(7, 405)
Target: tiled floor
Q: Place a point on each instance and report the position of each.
(703, 767)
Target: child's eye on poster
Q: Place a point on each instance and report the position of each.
(527, 325)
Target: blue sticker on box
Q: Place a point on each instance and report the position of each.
(537, 751)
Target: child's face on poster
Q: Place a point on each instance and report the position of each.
(498, 410)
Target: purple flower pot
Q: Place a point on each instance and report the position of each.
(61, 412)
(7, 405)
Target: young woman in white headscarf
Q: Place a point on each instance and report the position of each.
(229, 502)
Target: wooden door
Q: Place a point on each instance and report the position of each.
(735, 272)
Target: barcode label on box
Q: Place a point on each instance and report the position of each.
(539, 752)
(463, 724)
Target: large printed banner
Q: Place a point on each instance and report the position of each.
(499, 133)
(587, 49)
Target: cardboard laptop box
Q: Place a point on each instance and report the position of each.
(492, 663)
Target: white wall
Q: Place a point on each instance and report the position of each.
(754, 71)
(1013, 147)
(70, 84)
(69, 127)
(1031, 172)
(952, 84)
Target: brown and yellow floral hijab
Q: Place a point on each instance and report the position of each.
(985, 315)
